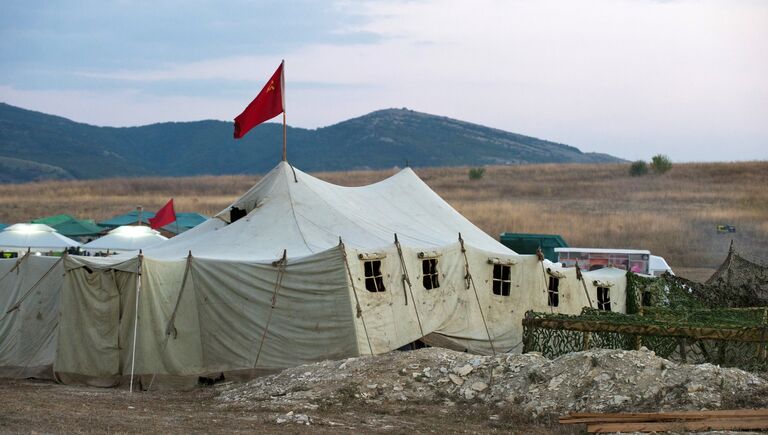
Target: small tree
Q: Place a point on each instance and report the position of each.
(638, 168)
(476, 173)
(661, 163)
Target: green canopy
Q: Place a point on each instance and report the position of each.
(70, 226)
(184, 221)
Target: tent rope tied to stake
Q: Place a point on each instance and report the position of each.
(540, 257)
(580, 277)
(359, 310)
(280, 265)
(407, 280)
(468, 278)
(171, 328)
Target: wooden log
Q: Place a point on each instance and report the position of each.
(587, 417)
(715, 423)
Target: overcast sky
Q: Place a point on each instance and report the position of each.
(632, 78)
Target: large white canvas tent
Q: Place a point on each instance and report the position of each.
(312, 271)
(125, 239)
(34, 237)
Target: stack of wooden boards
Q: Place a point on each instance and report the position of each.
(738, 419)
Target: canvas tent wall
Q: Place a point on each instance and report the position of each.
(125, 239)
(297, 280)
(29, 312)
(35, 237)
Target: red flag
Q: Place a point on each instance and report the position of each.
(164, 216)
(266, 105)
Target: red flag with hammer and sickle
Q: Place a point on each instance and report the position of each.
(266, 105)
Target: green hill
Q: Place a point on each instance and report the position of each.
(35, 146)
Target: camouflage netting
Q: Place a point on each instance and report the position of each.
(724, 321)
(739, 282)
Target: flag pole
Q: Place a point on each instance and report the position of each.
(282, 96)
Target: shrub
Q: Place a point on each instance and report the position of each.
(661, 163)
(476, 173)
(638, 168)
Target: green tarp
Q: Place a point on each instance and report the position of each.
(184, 221)
(70, 226)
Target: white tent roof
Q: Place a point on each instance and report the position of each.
(126, 238)
(306, 215)
(38, 237)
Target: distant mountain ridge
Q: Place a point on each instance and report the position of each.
(36, 146)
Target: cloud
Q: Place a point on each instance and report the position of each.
(629, 77)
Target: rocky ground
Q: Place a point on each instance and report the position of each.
(534, 387)
(429, 390)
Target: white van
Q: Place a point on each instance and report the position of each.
(636, 260)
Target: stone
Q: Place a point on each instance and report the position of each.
(618, 400)
(456, 379)
(557, 380)
(479, 386)
(464, 371)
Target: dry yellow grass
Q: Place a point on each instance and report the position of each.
(673, 215)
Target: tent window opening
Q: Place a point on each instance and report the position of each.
(553, 292)
(501, 279)
(604, 298)
(429, 271)
(373, 279)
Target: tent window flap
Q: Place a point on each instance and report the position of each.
(501, 279)
(429, 271)
(553, 292)
(604, 298)
(374, 282)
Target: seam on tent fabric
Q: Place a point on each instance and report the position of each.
(580, 277)
(407, 279)
(119, 305)
(280, 264)
(330, 206)
(352, 221)
(295, 219)
(171, 321)
(540, 257)
(354, 292)
(469, 279)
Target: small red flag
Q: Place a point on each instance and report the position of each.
(163, 217)
(266, 105)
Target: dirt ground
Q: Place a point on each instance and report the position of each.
(46, 407)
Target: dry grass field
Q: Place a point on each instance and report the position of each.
(673, 215)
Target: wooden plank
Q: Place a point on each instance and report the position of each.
(586, 417)
(751, 423)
